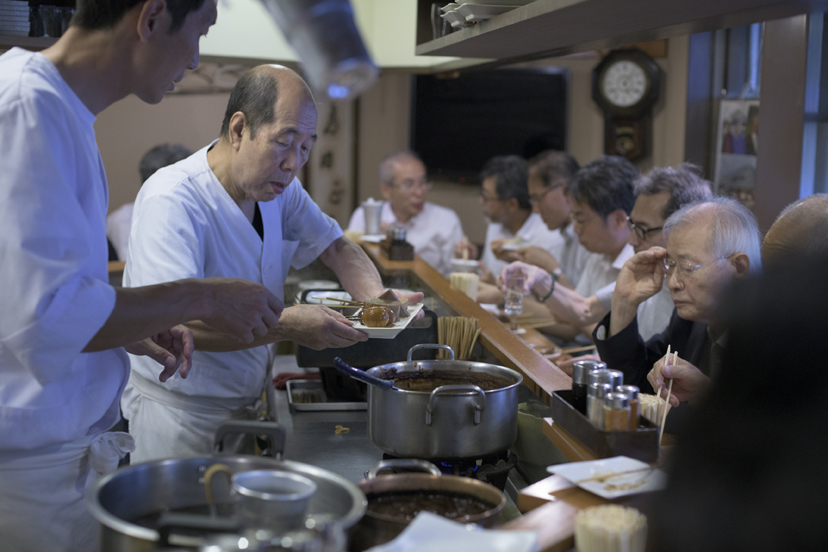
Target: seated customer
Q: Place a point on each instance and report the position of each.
(504, 196)
(659, 194)
(801, 229)
(709, 246)
(431, 229)
(549, 173)
(603, 196)
(119, 221)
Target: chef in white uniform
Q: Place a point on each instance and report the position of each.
(63, 328)
(236, 208)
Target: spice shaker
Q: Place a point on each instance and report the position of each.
(632, 392)
(613, 377)
(596, 393)
(580, 379)
(616, 412)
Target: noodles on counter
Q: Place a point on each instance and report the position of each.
(610, 528)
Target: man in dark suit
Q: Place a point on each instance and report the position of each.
(709, 245)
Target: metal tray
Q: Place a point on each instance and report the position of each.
(641, 444)
(315, 386)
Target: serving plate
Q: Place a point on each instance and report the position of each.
(373, 238)
(389, 332)
(599, 476)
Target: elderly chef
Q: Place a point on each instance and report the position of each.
(62, 329)
(235, 208)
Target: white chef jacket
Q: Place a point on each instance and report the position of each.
(433, 232)
(118, 223)
(55, 294)
(533, 232)
(56, 402)
(186, 225)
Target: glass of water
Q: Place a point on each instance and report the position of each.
(514, 293)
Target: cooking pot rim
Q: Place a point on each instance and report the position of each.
(435, 366)
(474, 483)
(110, 520)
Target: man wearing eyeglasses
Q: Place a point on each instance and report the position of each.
(431, 229)
(709, 245)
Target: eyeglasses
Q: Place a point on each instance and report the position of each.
(641, 232)
(411, 185)
(534, 199)
(686, 267)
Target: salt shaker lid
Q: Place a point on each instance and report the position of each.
(582, 368)
(617, 400)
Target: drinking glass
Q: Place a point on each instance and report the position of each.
(514, 293)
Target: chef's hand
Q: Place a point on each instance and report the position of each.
(410, 299)
(240, 308)
(539, 257)
(319, 327)
(171, 349)
(465, 245)
(688, 381)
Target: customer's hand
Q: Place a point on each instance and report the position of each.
(689, 383)
(539, 257)
(465, 246)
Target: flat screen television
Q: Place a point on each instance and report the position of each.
(460, 123)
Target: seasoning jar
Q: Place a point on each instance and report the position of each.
(616, 412)
(596, 393)
(580, 379)
(632, 392)
(396, 235)
(612, 377)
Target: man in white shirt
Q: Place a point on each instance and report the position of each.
(549, 173)
(431, 229)
(504, 196)
(64, 329)
(603, 196)
(235, 208)
(119, 221)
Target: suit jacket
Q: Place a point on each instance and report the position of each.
(626, 351)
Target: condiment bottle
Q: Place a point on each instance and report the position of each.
(612, 377)
(596, 393)
(616, 412)
(632, 392)
(580, 379)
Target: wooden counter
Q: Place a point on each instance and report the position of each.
(540, 375)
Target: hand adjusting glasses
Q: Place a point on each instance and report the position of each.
(686, 267)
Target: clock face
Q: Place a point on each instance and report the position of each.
(624, 83)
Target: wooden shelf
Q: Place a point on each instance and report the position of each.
(28, 42)
(549, 28)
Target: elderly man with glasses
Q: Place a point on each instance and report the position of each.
(709, 246)
(431, 229)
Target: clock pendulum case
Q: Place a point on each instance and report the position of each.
(625, 85)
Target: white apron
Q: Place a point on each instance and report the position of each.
(42, 506)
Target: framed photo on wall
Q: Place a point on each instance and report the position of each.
(737, 143)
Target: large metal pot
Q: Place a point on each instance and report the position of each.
(453, 421)
(128, 503)
(377, 528)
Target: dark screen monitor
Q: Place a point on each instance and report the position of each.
(460, 123)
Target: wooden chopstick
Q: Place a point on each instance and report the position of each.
(667, 402)
(602, 478)
(346, 301)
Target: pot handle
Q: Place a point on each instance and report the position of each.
(478, 395)
(430, 346)
(409, 463)
(275, 433)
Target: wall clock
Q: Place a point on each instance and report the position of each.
(625, 85)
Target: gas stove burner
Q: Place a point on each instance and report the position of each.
(492, 468)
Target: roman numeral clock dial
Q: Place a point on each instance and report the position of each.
(625, 85)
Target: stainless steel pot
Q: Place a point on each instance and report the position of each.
(453, 421)
(378, 528)
(128, 503)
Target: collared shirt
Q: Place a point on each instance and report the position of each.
(55, 294)
(117, 229)
(186, 225)
(433, 232)
(600, 274)
(534, 232)
(573, 256)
